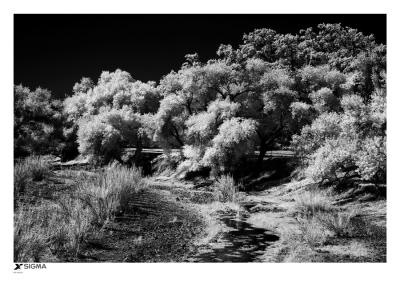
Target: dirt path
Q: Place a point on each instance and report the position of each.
(157, 229)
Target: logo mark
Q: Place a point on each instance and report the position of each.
(18, 266)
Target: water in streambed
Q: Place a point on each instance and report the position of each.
(242, 243)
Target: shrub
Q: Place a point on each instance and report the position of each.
(109, 193)
(371, 161)
(225, 189)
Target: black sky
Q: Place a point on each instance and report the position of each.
(55, 51)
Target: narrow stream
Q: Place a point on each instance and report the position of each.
(242, 243)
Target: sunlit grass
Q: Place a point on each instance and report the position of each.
(32, 168)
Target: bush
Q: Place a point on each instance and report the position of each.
(225, 189)
(108, 194)
(33, 168)
(351, 142)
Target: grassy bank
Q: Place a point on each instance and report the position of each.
(56, 213)
(315, 225)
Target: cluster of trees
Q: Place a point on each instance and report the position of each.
(321, 92)
(107, 117)
(37, 122)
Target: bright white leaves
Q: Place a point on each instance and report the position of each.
(103, 136)
(202, 127)
(347, 140)
(234, 140)
(110, 114)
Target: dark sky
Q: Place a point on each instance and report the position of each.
(55, 51)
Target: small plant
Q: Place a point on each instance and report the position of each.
(311, 203)
(225, 189)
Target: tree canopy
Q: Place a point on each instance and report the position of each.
(320, 92)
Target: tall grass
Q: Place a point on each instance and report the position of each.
(30, 234)
(225, 189)
(108, 194)
(63, 226)
(343, 223)
(318, 222)
(32, 168)
(311, 203)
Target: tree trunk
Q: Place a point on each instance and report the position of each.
(260, 158)
(138, 153)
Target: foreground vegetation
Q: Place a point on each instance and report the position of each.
(316, 226)
(58, 225)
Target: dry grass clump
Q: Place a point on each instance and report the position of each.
(310, 203)
(63, 226)
(342, 223)
(108, 194)
(318, 224)
(313, 233)
(30, 234)
(32, 168)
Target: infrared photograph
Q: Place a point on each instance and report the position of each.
(199, 138)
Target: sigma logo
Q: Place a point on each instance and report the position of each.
(24, 266)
